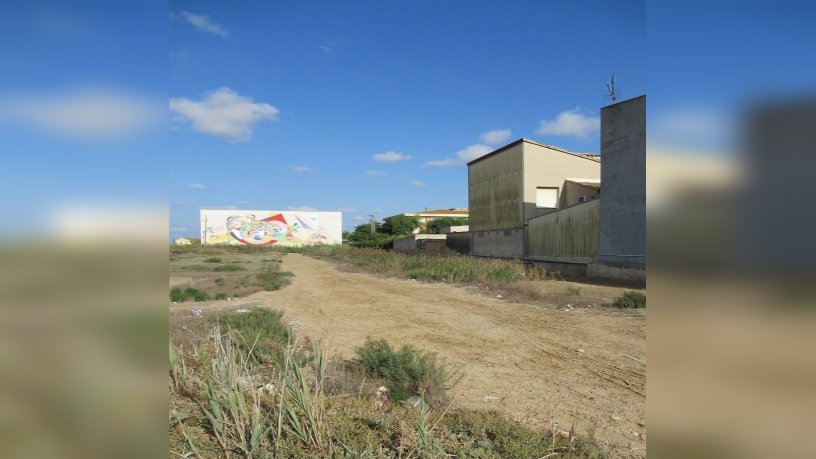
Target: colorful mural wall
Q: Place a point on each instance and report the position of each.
(270, 227)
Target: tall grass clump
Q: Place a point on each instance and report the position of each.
(631, 299)
(407, 371)
(260, 330)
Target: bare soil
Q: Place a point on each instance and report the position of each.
(544, 364)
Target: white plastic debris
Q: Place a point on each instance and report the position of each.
(198, 312)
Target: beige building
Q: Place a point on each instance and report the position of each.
(520, 181)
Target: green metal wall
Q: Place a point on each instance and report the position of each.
(495, 191)
(569, 235)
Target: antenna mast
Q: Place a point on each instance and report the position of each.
(610, 87)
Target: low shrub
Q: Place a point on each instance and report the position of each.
(230, 267)
(631, 299)
(178, 295)
(271, 280)
(221, 296)
(220, 282)
(262, 328)
(408, 371)
(212, 260)
(196, 268)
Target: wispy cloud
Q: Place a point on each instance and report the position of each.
(179, 230)
(574, 123)
(196, 186)
(375, 173)
(224, 113)
(462, 156)
(329, 46)
(302, 209)
(91, 113)
(204, 24)
(302, 169)
(495, 137)
(345, 209)
(392, 157)
(418, 184)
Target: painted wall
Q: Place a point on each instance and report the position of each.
(546, 167)
(569, 235)
(494, 196)
(270, 227)
(623, 179)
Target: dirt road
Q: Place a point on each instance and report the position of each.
(539, 365)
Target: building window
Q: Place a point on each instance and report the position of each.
(547, 197)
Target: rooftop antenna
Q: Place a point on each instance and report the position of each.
(610, 87)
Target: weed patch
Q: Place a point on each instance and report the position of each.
(196, 268)
(230, 267)
(178, 295)
(408, 371)
(212, 260)
(631, 299)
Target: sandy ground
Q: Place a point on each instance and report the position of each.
(541, 365)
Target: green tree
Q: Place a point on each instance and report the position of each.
(434, 226)
(363, 237)
(400, 225)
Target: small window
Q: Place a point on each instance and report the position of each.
(547, 197)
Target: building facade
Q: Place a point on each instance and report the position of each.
(521, 181)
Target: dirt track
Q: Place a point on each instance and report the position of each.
(539, 365)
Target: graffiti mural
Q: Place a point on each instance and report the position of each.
(287, 229)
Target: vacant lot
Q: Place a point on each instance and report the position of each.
(545, 364)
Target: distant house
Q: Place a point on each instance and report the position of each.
(521, 181)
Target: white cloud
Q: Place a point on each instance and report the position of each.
(375, 173)
(83, 112)
(302, 169)
(359, 218)
(196, 186)
(204, 24)
(575, 123)
(303, 209)
(224, 113)
(463, 156)
(495, 137)
(392, 157)
(329, 46)
(179, 230)
(417, 184)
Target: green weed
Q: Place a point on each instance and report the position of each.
(230, 267)
(631, 299)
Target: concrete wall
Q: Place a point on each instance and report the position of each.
(623, 179)
(415, 242)
(494, 197)
(546, 167)
(502, 243)
(569, 235)
(458, 242)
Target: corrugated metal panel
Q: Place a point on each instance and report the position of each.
(495, 192)
(571, 234)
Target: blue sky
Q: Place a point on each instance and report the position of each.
(373, 107)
